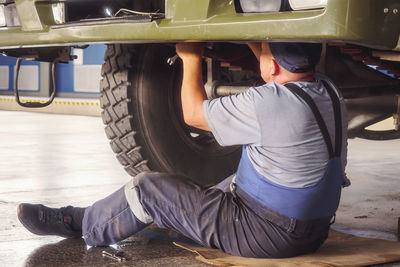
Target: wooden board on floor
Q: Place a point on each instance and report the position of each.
(339, 250)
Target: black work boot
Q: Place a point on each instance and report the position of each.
(42, 220)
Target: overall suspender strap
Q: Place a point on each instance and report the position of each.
(295, 89)
(338, 118)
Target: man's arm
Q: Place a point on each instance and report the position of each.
(193, 92)
(256, 48)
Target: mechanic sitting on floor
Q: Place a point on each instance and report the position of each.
(282, 199)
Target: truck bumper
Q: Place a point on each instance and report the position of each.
(371, 23)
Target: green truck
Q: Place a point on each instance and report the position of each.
(141, 74)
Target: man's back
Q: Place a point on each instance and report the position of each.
(282, 138)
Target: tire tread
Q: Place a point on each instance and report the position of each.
(116, 109)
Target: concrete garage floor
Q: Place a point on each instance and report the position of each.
(59, 160)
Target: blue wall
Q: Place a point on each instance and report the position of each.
(93, 55)
(10, 62)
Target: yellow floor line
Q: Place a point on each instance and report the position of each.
(57, 102)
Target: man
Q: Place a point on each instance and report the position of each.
(286, 190)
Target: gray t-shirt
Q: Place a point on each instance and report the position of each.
(282, 137)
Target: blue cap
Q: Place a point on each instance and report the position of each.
(296, 57)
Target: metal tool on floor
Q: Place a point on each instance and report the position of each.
(115, 255)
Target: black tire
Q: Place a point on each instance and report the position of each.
(140, 100)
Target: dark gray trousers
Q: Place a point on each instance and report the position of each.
(231, 221)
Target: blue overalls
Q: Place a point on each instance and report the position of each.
(256, 219)
(315, 202)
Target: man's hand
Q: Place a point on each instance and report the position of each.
(192, 93)
(190, 51)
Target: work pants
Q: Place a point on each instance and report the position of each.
(229, 220)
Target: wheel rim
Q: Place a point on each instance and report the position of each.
(198, 140)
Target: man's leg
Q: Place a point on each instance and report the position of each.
(121, 214)
(113, 219)
(219, 219)
(169, 200)
(174, 202)
(207, 216)
(106, 222)
(211, 217)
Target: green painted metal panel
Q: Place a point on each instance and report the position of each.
(28, 15)
(364, 22)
